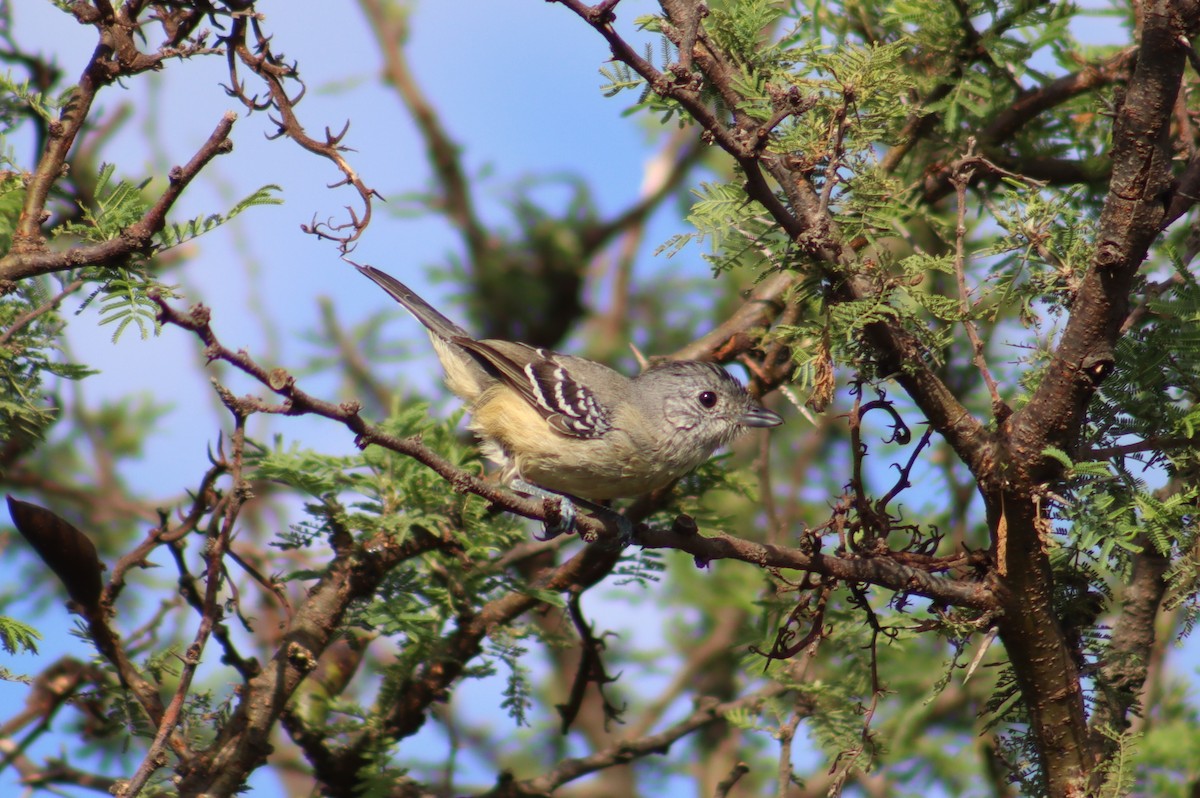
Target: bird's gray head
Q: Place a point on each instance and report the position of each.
(701, 404)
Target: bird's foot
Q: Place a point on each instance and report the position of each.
(567, 513)
(564, 524)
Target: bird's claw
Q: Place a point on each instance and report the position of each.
(624, 533)
(564, 523)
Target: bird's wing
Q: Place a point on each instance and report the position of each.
(550, 382)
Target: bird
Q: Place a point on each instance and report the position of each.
(561, 426)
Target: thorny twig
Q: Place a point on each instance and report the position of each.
(211, 612)
(275, 73)
(591, 670)
(960, 179)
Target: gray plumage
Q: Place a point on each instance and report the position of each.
(574, 426)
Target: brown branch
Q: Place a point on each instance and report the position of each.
(1186, 192)
(1155, 445)
(187, 589)
(41, 310)
(57, 685)
(1028, 107)
(726, 785)
(202, 501)
(629, 750)
(1032, 104)
(242, 743)
(297, 402)
(718, 642)
(589, 669)
(1131, 645)
(412, 698)
(882, 570)
(58, 771)
(273, 72)
(1046, 670)
(25, 262)
(734, 336)
(786, 734)
(806, 222)
(214, 554)
(960, 180)
(145, 692)
(116, 56)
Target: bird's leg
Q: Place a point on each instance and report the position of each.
(567, 512)
(566, 508)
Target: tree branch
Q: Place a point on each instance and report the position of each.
(1046, 671)
(881, 570)
(116, 56)
(22, 262)
(626, 751)
(806, 221)
(274, 72)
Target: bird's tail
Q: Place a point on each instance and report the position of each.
(437, 324)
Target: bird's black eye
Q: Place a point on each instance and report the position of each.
(708, 399)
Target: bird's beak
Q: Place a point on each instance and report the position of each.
(759, 416)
